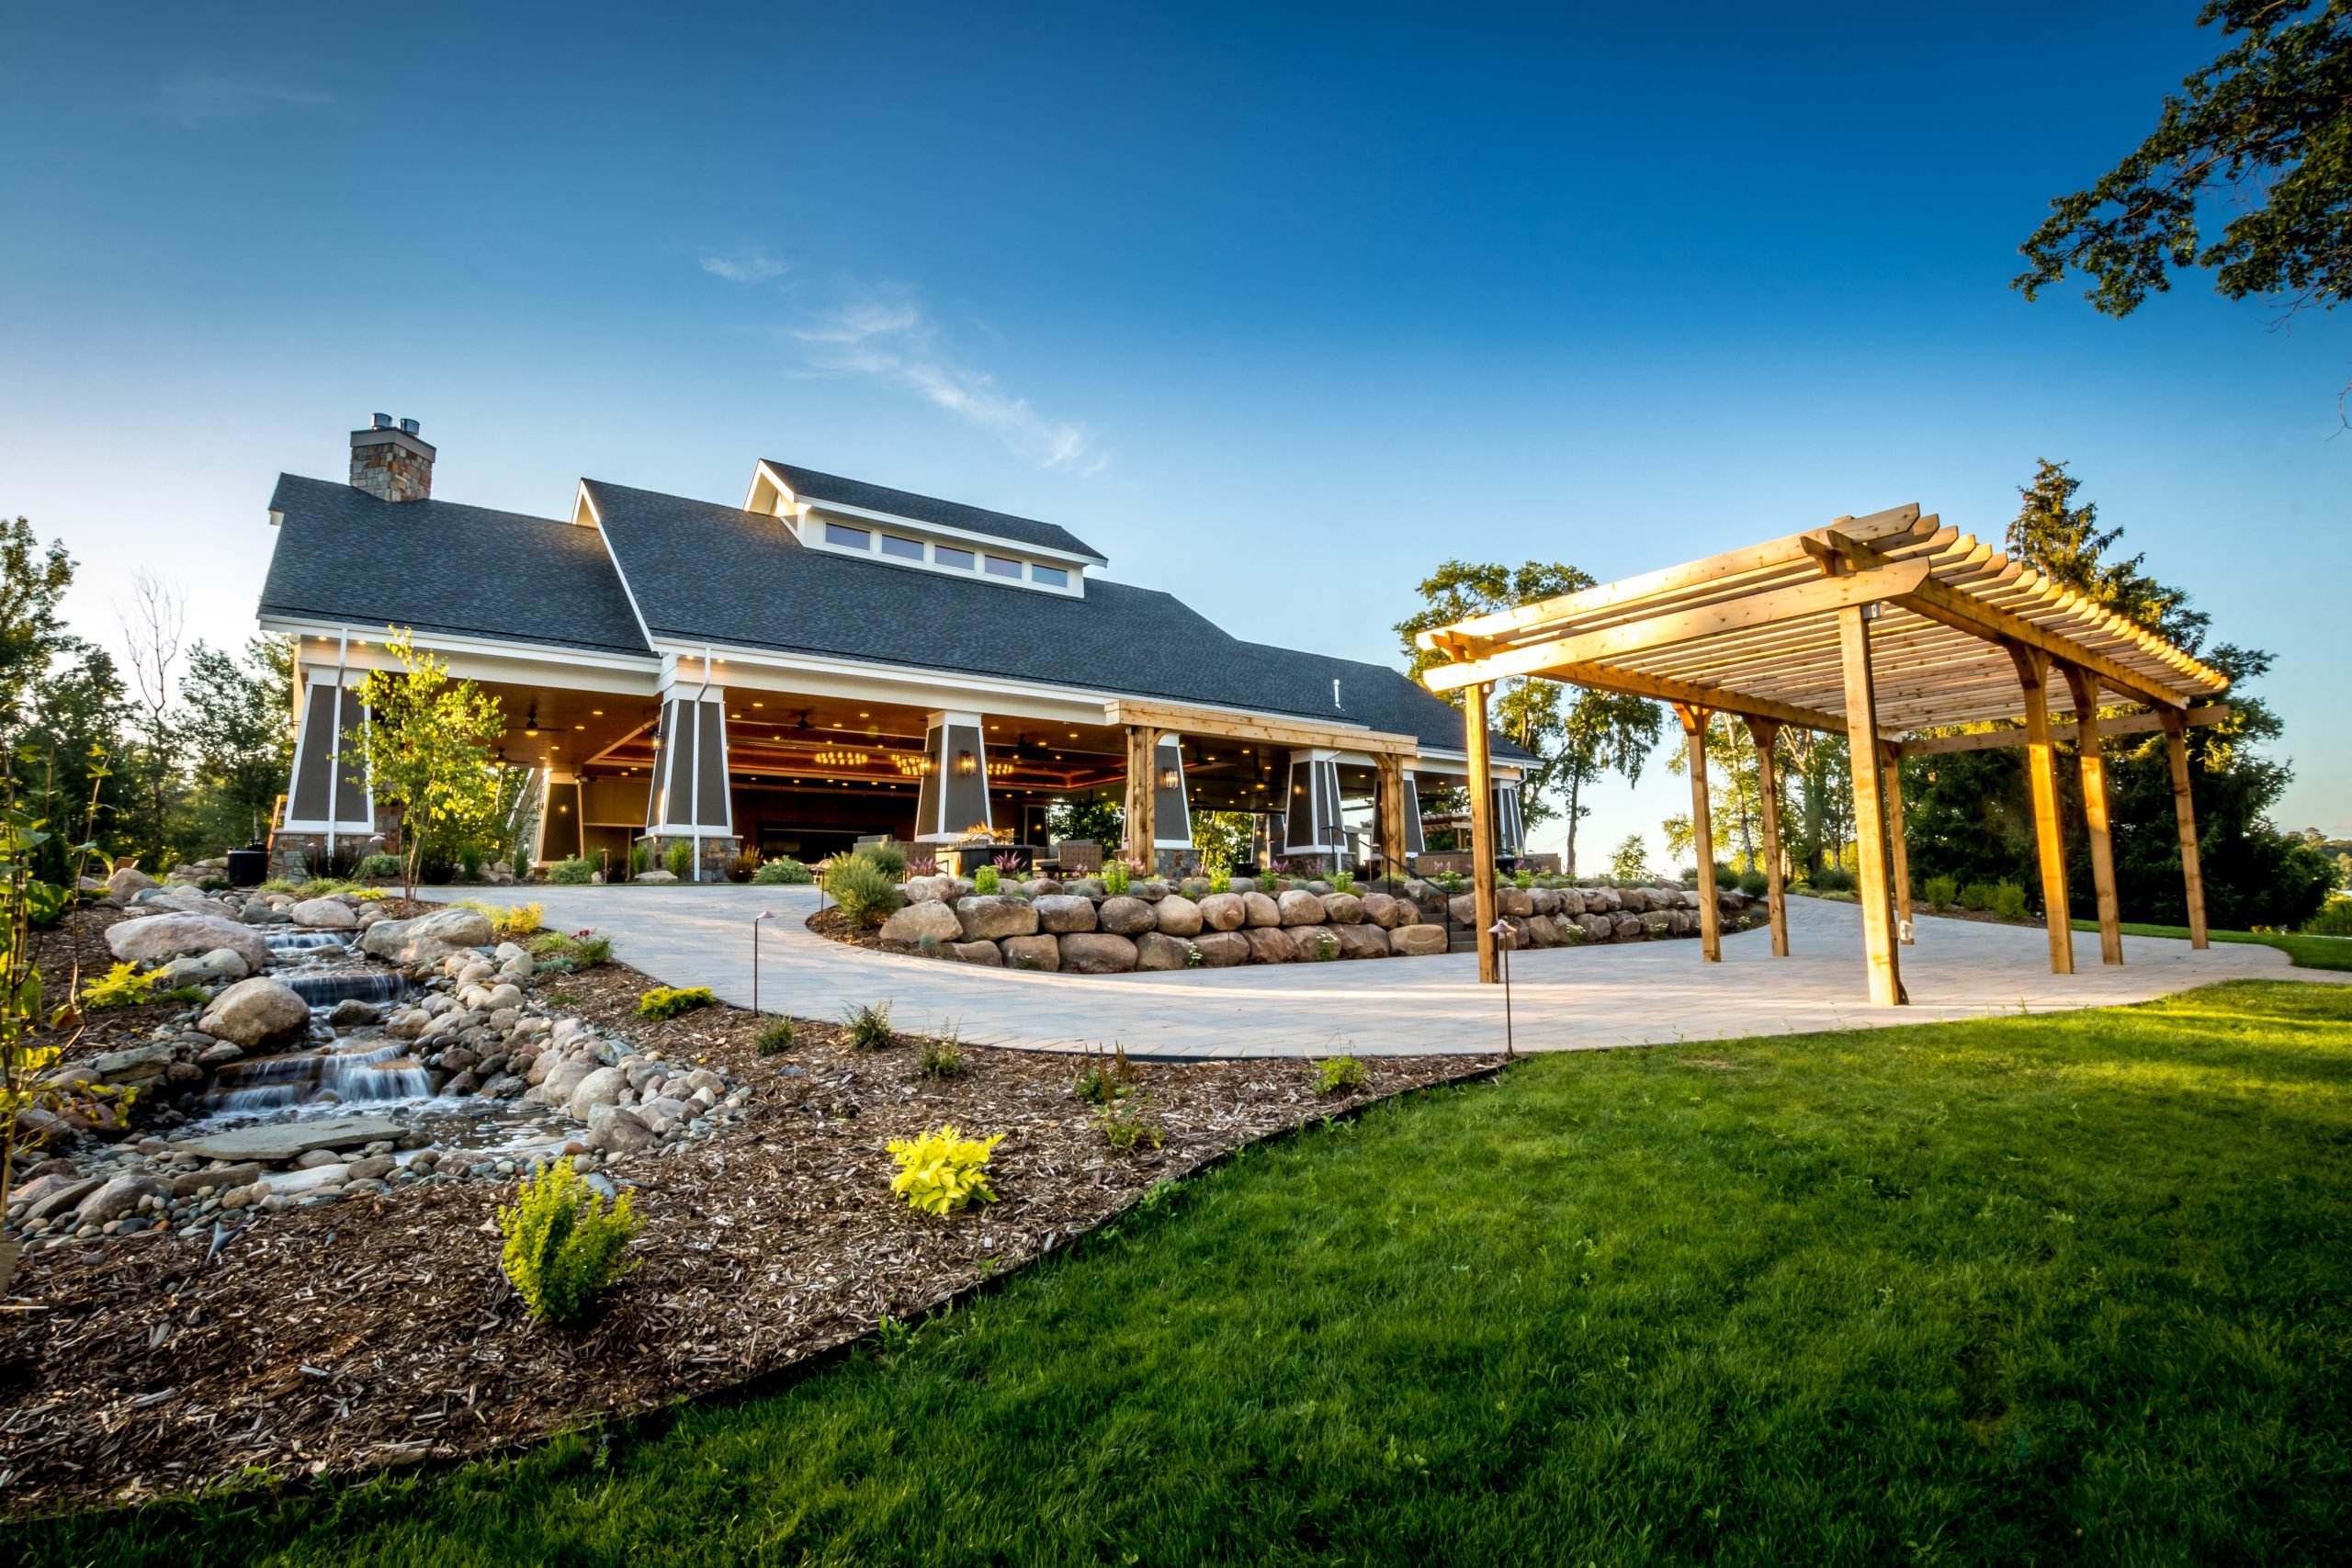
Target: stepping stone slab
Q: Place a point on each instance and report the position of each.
(293, 1139)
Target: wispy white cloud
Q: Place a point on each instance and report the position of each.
(884, 334)
(753, 265)
(198, 97)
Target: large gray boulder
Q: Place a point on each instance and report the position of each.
(602, 1087)
(1225, 912)
(118, 1197)
(615, 1130)
(323, 915)
(1155, 950)
(1122, 916)
(1060, 912)
(428, 939)
(1514, 901)
(1271, 944)
(1178, 916)
(130, 880)
(1380, 909)
(985, 954)
(1038, 952)
(255, 1013)
(993, 917)
(1571, 901)
(1343, 909)
(1097, 953)
(157, 939)
(1464, 908)
(1360, 941)
(1417, 942)
(1222, 950)
(932, 918)
(564, 1074)
(1300, 908)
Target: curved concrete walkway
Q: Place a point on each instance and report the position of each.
(1561, 998)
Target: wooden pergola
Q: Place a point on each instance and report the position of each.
(1875, 628)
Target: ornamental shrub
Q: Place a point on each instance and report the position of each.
(1114, 878)
(1755, 884)
(1220, 880)
(942, 1054)
(577, 872)
(868, 1024)
(122, 986)
(1345, 882)
(1830, 879)
(386, 868)
(890, 856)
(1129, 1123)
(1976, 895)
(942, 1170)
(508, 923)
(2008, 901)
(1341, 1075)
(1941, 891)
(568, 954)
(2334, 919)
(783, 869)
(775, 1035)
(1104, 1079)
(563, 1248)
(640, 855)
(680, 858)
(985, 880)
(1523, 880)
(669, 1001)
(867, 894)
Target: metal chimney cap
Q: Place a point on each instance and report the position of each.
(380, 421)
(408, 427)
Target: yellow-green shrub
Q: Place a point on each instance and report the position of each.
(563, 1247)
(507, 923)
(121, 987)
(669, 1001)
(942, 1170)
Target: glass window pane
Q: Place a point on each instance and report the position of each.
(1052, 576)
(1000, 566)
(841, 533)
(946, 557)
(905, 550)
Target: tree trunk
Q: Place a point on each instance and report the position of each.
(1576, 789)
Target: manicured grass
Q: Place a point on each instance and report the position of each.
(2073, 1288)
(2306, 951)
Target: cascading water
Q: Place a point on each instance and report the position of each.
(377, 1075)
(304, 940)
(324, 988)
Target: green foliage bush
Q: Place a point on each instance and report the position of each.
(1345, 882)
(1755, 884)
(563, 1248)
(868, 1024)
(568, 954)
(2334, 919)
(1341, 1075)
(378, 868)
(669, 1001)
(784, 869)
(639, 856)
(2008, 901)
(1128, 1123)
(943, 1055)
(1115, 878)
(1976, 895)
(1102, 1079)
(890, 856)
(867, 894)
(681, 859)
(773, 1037)
(1220, 879)
(985, 880)
(121, 987)
(1831, 879)
(942, 1170)
(577, 872)
(1940, 892)
(1523, 880)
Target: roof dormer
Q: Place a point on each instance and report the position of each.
(900, 528)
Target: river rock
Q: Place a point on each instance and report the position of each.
(1417, 942)
(255, 1011)
(186, 1184)
(1097, 953)
(1221, 950)
(428, 939)
(353, 1013)
(1300, 908)
(1156, 950)
(153, 939)
(912, 922)
(1178, 916)
(1039, 951)
(615, 1130)
(118, 1197)
(323, 915)
(63, 1199)
(1124, 915)
(1224, 912)
(1063, 912)
(602, 1087)
(130, 880)
(562, 1075)
(993, 917)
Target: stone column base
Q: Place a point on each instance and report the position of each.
(718, 853)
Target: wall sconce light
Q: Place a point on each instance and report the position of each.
(964, 763)
(1168, 778)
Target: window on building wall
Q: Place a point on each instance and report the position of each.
(944, 556)
(905, 550)
(1000, 566)
(852, 538)
(1051, 576)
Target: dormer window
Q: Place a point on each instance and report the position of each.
(849, 539)
(1051, 576)
(950, 556)
(905, 550)
(1000, 566)
(919, 532)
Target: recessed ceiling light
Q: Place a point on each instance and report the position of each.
(758, 704)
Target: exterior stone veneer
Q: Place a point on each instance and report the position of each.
(718, 853)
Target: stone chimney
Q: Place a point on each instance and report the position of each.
(389, 462)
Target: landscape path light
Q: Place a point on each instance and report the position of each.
(762, 915)
(1501, 932)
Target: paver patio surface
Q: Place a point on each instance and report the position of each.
(1561, 998)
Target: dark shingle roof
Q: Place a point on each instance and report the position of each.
(809, 485)
(703, 573)
(342, 554)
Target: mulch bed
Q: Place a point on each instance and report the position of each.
(379, 1331)
(835, 926)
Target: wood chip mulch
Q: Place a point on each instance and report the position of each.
(375, 1332)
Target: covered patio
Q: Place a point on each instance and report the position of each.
(1878, 628)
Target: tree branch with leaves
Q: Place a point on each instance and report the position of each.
(425, 746)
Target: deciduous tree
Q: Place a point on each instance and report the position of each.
(425, 747)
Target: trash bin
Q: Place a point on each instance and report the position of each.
(248, 866)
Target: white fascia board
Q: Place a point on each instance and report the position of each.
(765, 670)
(484, 658)
(606, 540)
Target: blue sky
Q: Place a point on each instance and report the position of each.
(1277, 306)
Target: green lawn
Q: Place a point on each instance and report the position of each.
(2073, 1288)
(2306, 951)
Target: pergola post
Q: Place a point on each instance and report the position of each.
(1703, 828)
(1870, 819)
(1143, 743)
(1764, 731)
(1898, 852)
(1392, 812)
(1482, 830)
(2042, 777)
(2095, 818)
(2185, 810)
